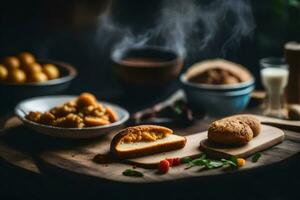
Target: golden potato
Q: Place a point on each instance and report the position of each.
(16, 76)
(51, 71)
(3, 73)
(26, 58)
(32, 68)
(11, 62)
(86, 99)
(37, 77)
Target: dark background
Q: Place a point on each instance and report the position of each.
(67, 31)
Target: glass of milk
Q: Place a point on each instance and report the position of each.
(274, 74)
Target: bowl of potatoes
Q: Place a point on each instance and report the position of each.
(23, 76)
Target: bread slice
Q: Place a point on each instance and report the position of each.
(145, 140)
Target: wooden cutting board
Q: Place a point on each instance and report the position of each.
(293, 125)
(267, 138)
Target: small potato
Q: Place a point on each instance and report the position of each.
(16, 76)
(32, 68)
(26, 58)
(38, 77)
(11, 62)
(95, 121)
(86, 99)
(3, 73)
(51, 71)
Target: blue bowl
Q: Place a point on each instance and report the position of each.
(218, 103)
(218, 88)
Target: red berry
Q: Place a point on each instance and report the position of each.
(170, 160)
(176, 161)
(164, 166)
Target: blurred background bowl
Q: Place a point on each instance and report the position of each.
(214, 87)
(146, 74)
(218, 100)
(148, 65)
(12, 93)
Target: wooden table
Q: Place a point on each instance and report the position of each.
(26, 154)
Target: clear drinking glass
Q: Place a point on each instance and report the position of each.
(274, 74)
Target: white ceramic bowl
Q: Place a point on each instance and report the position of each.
(45, 103)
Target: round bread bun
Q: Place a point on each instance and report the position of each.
(252, 121)
(229, 132)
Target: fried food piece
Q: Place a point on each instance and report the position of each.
(47, 118)
(64, 110)
(111, 114)
(84, 111)
(230, 132)
(33, 116)
(95, 121)
(51, 71)
(11, 62)
(3, 73)
(70, 121)
(16, 76)
(26, 58)
(86, 99)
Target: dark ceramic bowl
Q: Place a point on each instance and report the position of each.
(164, 66)
(12, 93)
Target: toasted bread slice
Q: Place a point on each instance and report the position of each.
(145, 140)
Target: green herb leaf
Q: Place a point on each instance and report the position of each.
(199, 162)
(256, 156)
(233, 159)
(229, 162)
(203, 161)
(177, 110)
(186, 160)
(214, 164)
(134, 173)
(202, 156)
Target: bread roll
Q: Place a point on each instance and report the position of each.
(229, 132)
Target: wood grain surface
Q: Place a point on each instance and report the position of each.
(77, 156)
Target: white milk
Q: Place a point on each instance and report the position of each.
(275, 80)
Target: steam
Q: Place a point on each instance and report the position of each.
(188, 26)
